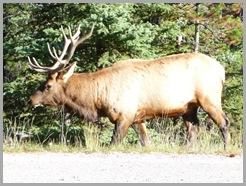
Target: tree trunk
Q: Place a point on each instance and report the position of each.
(197, 30)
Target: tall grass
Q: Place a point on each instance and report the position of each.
(92, 135)
(15, 130)
(165, 136)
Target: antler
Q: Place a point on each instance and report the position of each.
(67, 52)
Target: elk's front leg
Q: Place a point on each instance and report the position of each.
(120, 131)
(141, 130)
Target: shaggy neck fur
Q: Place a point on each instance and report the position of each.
(84, 112)
(80, 97)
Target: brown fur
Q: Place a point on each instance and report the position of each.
(134, 90)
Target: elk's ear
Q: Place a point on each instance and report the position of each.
(53, 75)
(69, 72)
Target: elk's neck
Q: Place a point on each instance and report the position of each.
(82, 111)
(80, 98)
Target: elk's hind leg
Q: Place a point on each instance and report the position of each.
(218, 116)
(141, 130)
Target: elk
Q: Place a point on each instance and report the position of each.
(131, 91)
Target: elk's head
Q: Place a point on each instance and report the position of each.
(53, 93)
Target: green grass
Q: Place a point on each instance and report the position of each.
(31, 147)
(169, 141)
(165, 136)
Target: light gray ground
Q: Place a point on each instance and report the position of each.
(120, 167)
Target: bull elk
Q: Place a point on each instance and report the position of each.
(134, 90)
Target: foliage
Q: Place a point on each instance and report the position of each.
(121, 31)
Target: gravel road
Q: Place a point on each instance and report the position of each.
(120, 167)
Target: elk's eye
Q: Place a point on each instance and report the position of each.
(48, 87)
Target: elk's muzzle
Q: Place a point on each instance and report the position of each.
(36, 98)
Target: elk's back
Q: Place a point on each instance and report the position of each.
(163, 84)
